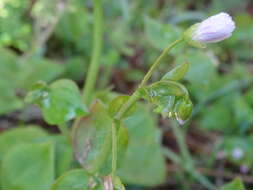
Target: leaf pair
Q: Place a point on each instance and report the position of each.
(170, 97)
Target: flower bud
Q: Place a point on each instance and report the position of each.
(214, 29)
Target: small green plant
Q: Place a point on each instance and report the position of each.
(110, 140)
(99, 135)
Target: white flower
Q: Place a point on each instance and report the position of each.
(214, 29)
(237, 153)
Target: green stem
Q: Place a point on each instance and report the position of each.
(158, 61)
(114, 148)
(96, 52)
(135, 96)
(187, 160)
(181, 143)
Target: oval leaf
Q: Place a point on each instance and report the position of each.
(28, 167)
(177, 73)
(20, 135)
(143, 163)
(166, 95)
(163, 88)
(183, 109)
(60, 102)
(122, 143)
(92, 138)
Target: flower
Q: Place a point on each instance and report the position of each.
(237, 153)
(214, 29)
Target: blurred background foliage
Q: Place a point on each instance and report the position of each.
(51, 39)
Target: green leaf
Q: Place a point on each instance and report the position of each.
(8, 99)
(92, 138)
(28, 167)
(171, 99)
(177, 73)
(75, 68)
(60, 102)
(37, 69)
(77, 179)
(234, 185)
(9, 77)
(20, 135)
(117, 103)
(242, 113)
(18, 76)
(183, 109)
(218, 111)
(63, 154)
(163, 88)
(143, 163)
(122, 144)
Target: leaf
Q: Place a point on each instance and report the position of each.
(143, 163)
(183, 109)
(117, 103)
(9, 75)
(8, 99)
(60, 102)
(63, 154)
(17, 76)
(122, 144)
(38, 69)
(77, 179)
(163, 88)
(171, 99)
(177, 73)
(234, 185)
(243, 114)
(75, 68)
(20, 135)
(28, 167)
(92, 138)
(218, 111)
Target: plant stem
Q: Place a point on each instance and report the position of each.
(96, 52)
(187, 160)
(181, 143)
(135, 96)
(114, 148)
(158, 61)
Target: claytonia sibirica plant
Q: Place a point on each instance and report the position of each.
(99, 134)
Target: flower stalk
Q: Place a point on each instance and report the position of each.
(135, 96)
